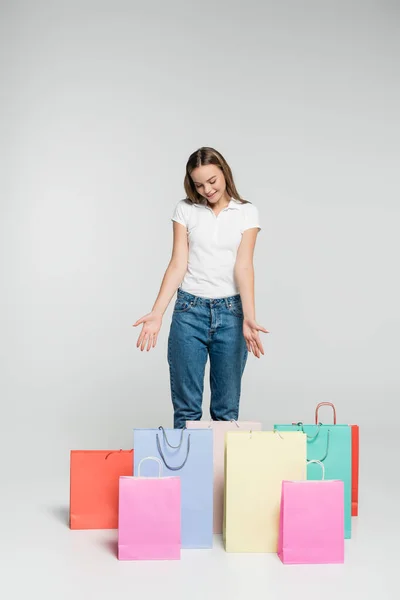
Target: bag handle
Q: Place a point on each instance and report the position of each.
(231, 421)
(320, 464)
(151, 458)
(325, 404)
(309, 437)
(162, 455)
(313, 437)
(166, 439)
(327, 447)
(119, 452)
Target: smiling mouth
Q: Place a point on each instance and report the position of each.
(211, 195)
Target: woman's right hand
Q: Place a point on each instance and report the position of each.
(151, 326)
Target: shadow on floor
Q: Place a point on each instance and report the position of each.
(111, 546)
(60, 513)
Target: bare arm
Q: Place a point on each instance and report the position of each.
(244, 275)
(173, 276)
(175, 271)
(244, 272)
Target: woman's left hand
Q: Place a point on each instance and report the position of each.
(250, 333)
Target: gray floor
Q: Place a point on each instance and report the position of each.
(39, 554)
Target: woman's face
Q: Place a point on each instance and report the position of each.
(209, 182)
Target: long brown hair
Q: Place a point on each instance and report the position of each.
(208, 156)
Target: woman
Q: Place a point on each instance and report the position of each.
(211, 269)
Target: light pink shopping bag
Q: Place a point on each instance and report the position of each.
(219, 430)
(149, 517)
(312, 521)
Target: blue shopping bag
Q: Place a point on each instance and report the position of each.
(188, 454)
(331, 445)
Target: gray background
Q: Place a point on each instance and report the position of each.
(101, 104)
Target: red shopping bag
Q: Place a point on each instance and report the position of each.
(355, 467)
(354, 459)
(94, 485)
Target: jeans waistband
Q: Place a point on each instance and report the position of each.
(182, 295)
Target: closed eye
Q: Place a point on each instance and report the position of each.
(212, 183)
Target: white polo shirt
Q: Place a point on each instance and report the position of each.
(213, 244)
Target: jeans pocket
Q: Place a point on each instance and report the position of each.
(236, 309)
(182, 306)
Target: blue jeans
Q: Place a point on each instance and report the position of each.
(203, 327)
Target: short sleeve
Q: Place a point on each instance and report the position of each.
(250, 217)
(180, 213)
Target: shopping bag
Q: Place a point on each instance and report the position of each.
(330, 444)
(219, 429)
(149, 516)
(188, 454)
(355, 445)
(94, 480)
(312, 521)
(256, 464)
(355, 436)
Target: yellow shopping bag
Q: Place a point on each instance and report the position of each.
(256, 463)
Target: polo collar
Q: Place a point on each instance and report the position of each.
(232, 204)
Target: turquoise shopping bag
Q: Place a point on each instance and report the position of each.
(331, 445)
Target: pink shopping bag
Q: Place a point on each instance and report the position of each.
(149, 517)
(312, 521)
